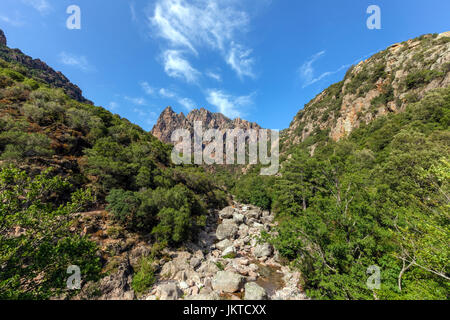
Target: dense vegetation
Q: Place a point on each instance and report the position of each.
(379, 197)
(125, 168)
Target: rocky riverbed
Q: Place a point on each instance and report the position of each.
(228, 262)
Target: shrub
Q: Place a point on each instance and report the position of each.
(144, 278)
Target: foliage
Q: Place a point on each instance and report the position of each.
(379, 197)
(144, 277)
(36, 246)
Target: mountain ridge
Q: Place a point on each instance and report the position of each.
(40, 70)
(169, 121)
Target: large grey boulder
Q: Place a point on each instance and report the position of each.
(226, 281)
(253, 291)
(168, 291)
(254, 213)
(263, 250)
(226, 230)
(222, 245)
(238, 218)
(226, 213)
(230, 251)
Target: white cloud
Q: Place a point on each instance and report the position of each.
(307, 72)
(210, 24)
(166, 93)
(177, 67)
(40, 5)
(136, 101)
(133, 12)
(228, 105)
(187, 103)
(72, 60)
(214, 76)
(15, 22)
(240, 61)
(147, 88)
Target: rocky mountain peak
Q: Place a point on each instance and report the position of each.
(169, 121)
(2, 38)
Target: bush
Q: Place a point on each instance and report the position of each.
(144, 278)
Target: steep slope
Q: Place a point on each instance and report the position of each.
(35, 68)
(380, 85)
(169, 121)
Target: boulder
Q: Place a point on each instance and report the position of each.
(253, 291)
(238, 218)
(226, 213)
(226, 281)
(263, 250)
(168, 291)
(226, 230)
(229, 251)
(222, 245)
(255, 214)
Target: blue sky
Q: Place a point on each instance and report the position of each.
(261, 60)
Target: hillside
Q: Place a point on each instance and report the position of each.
(364, 184)
(63, 161)
(383, 84)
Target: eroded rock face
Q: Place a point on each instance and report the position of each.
(2, 38)
(228, 282)
(117, 286)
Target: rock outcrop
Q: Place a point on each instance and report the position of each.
(38, 69)
(3, 41)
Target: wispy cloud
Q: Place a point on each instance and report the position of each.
(79, 62)
(166, 93)
(210, 24)
(147, 88)
(240, 61)
(42, 6)
(308, 75)
(214, 75)
(15, 22)
(187, 103)
(230, 106)
(136, 101)
(306, 71)
(177, 67)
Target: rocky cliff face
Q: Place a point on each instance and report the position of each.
(170, 121)
(40, 70)
(2, 38)
(382, 84)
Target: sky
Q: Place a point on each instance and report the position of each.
(261, 60)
